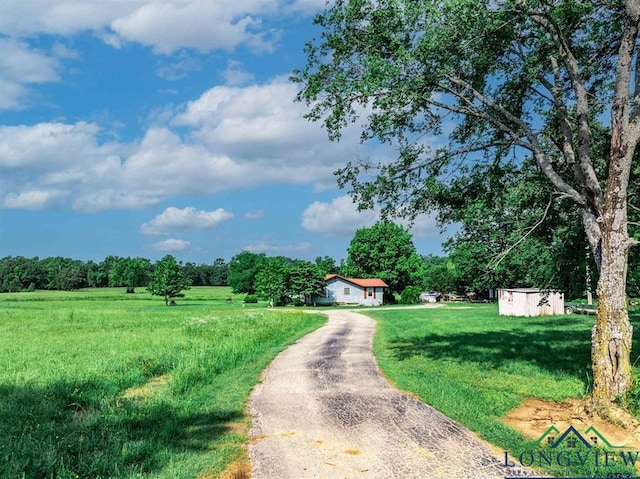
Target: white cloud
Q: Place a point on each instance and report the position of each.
(164, 25)
(49, 146)
(229, 138)
(20, 67)
(171, 245)
(33, 199)
(339, 217)
(205, 25)
(254, 215)
(173, 220)
(235, 75)
(269, 247)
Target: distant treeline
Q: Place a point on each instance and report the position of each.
(18, 273)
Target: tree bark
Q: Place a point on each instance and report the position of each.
(612, 333)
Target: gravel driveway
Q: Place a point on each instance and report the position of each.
(324, 411)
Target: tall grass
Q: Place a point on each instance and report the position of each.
(104, 384)
(475, 366)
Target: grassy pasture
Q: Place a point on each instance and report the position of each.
(104, 384)
(475, 366)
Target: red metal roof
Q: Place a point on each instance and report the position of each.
(362, 282)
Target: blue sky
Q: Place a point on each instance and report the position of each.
(147, 127)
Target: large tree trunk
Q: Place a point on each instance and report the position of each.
(611, 335)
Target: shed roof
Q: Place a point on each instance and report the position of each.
(362, 282)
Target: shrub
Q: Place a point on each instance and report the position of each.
(411, 295)
(250, 298)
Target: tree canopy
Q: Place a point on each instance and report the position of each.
(384, 250)
(168, 280)
(243, 269)
(457, 82)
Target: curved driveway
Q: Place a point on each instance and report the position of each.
(324, 411)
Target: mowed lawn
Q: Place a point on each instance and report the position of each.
(476, 366)
(104, 384)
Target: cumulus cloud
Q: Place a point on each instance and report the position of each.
(172, 245)
(173, 220)
(339, 217)
(21, 67)
(270, 247)
(164, 25)
(229, 138)
(201, 24)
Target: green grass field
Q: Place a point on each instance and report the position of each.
(475, 366)
(104, 384)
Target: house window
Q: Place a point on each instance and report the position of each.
(328, 293)
(369, 292)
(347, 291)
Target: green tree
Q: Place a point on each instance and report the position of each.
(307, 280)
(130, 273)
(219, 273)
(386, 251)
(327, 265)
(515, 77)
(98, 275)
(514, 232)
(168, 280)
(441, 277)
(272, 280)
(243, 269)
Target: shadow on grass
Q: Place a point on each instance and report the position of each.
(558, 345)
(553, 350)
(75, 430)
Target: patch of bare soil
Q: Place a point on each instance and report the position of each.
(534, 417)
(240, 469)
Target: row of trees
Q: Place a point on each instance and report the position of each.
(18, 273)
(500, 243)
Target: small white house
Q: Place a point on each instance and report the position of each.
(341, 290)
(529, 302)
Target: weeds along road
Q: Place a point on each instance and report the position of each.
(324, 411)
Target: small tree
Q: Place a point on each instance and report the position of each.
(168, 279)
(411, 295)
(307, 280)
(272, 280)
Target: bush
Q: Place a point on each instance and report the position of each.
(411, 295)
(250, 298)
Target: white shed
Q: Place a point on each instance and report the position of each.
(529, 302)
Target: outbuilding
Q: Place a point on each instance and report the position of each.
(529, 302)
